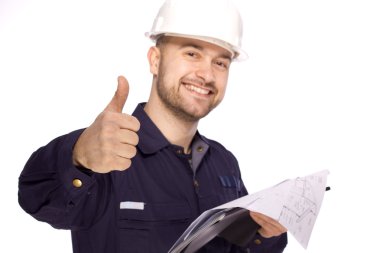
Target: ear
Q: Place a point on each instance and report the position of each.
(154, 55)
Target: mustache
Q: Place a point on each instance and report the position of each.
(198, 81)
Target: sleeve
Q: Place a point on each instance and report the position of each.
(261, 244)
(52, 189)
(268, 245)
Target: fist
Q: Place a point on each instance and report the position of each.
(110, 142)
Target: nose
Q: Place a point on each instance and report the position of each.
(204, 71)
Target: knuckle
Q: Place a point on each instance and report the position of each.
(107, 133)
(134, 122)
(128, 117)
(133, 151)
(130, 152)
(134, 139)
(127, 163)
(123, 164)
(138, 124)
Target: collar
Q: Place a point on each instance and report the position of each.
(151, 139)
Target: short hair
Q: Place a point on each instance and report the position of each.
(160, 40)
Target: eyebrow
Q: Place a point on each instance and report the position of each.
(200, 48)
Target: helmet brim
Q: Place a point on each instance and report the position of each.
(237, 53)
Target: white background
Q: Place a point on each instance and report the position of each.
(306, 100)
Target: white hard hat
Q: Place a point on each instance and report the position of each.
(214, 21)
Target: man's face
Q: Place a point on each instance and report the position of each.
(192, 76)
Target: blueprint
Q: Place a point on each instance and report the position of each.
(295, 203)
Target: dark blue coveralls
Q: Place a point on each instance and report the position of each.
(143, 209)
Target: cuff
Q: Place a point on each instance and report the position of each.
(76, 181)
(275, 244)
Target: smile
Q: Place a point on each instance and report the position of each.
(198, 90)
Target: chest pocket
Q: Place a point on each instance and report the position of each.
(231, 188)
(153, 229)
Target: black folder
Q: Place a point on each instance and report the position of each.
(233, 224)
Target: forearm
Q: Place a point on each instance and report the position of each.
(46, 189)
(260, 244)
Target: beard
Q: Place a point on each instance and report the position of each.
(176, 104)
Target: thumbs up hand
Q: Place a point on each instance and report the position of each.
(110, 142)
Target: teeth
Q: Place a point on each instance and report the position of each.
(197, 89)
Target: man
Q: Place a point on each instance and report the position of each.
(135, 183)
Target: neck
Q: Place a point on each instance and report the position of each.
(175, 130)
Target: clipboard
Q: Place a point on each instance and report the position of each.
(233, 224)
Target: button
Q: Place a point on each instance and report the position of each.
(77, 183)
(200, 149)
(179, 151)
(196, 184)
(257, 241)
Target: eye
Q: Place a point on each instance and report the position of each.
(191, 54)
(222, 64)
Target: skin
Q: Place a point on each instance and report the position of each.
(195, 84)
(189, 80)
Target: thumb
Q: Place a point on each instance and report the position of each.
(118, 101)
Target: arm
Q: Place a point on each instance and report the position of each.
(66, 183)
(46, 189)
(271, 237)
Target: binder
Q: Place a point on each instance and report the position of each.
(233, 224)
(295, 203)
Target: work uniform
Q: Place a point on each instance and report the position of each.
(145, 208)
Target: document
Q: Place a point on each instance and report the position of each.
(295, 203)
